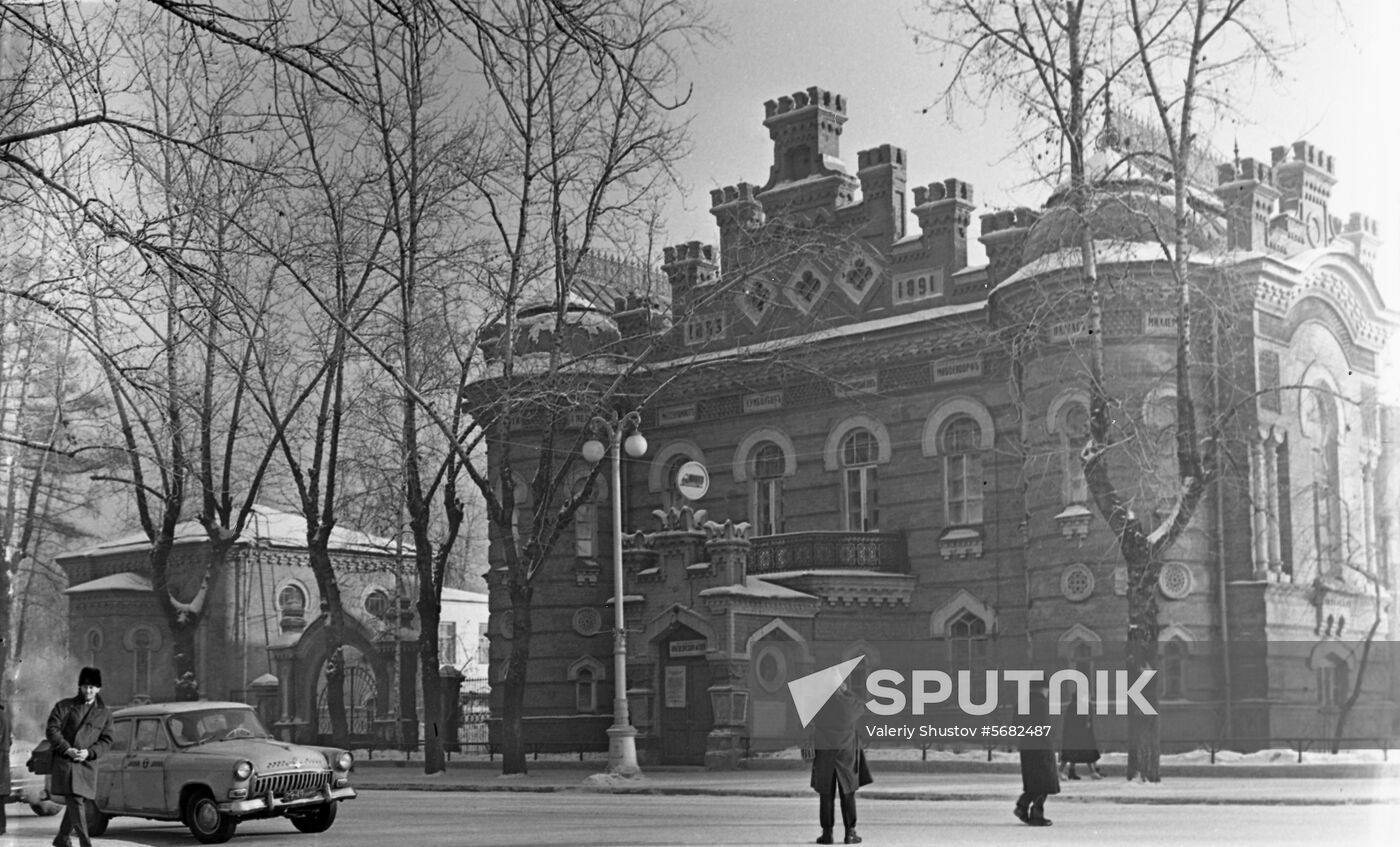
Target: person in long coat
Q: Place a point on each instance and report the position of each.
(1039, 776)
(835, 742)
(5, 741)
(80, 732)
(1078, 746)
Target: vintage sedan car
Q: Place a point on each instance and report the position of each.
(28, 788)
(210, 765)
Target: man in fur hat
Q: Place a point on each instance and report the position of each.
(80, 731)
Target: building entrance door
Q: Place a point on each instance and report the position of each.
(686, 716)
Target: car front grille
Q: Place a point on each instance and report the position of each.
(282, 784)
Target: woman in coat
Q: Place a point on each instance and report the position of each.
(836, 762)
(1078, 746)
(80, 732)
(1039, 777)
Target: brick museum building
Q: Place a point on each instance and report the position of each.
(892, 438)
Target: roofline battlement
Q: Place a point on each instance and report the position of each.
(799, 100)
(689, 251)
(1022, 217)
(743, 192)
(1249, 169)
(885, 154)
(939, 192)
(1307, 154)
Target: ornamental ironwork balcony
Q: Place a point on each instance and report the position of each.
(884, 552)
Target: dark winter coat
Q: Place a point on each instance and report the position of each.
(75, 724)
(1078, 745)
(5, 741)
(836, 743)
(1039, 774)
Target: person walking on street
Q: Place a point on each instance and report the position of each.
(1078, 746)
(837, 762)
(1039, 778)
(80, 732)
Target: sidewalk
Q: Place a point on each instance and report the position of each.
(1305, 785)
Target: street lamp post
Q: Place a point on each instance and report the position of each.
(622, 737)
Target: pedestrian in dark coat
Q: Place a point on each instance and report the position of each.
(1039, 777)
(80, 732)
(1078, 746)
(836, 762)
(5, 741)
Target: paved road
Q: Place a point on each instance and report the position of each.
(515, 819)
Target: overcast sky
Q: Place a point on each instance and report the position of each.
(1340, 97)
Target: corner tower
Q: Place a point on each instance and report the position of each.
(806, 172)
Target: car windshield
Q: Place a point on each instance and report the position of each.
(201, 727)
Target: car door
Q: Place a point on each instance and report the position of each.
(109, 767)
(144, 767)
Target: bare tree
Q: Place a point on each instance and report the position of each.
(1060, 62)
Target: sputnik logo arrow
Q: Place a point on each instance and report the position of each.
(810, 693)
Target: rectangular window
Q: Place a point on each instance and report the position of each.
(586, 531)
(447, 642)
(483, 644)
(768, 506)
(963, 488)
(148, 735)
(862, 502)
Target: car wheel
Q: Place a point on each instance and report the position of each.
(206, 822)
(318, 819)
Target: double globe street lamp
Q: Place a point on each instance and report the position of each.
(622, 434)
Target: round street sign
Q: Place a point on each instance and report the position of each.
(692, 480)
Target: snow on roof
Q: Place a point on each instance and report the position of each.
(457, 595)
(1107, 252)
(266, 527)
(114, 582)
(754, 586)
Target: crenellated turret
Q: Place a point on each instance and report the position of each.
(807, 172)
(1251, 202)
(1305, 185)
(738, 212)
(806, 131)
(944, 210)
(1004, 234)
(1363, 234)
(882, 181)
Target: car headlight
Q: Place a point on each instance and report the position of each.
(343, 761)
(242, 770)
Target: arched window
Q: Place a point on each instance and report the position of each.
(142, 645)
(586, 517)
(1174, 670)
(92, 646)
(967, 649)
(377, 602)
(859, 452)
(585, 691)
(292, 600)
(1073, 427)
(769, 464)
(1323, 428)
(1333, 681)
(962, 470)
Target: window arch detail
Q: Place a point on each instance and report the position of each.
(743, 453)
(831, 451)
(948, 409)
(963, 601)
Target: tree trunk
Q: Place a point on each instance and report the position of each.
(517, 666)
(1144, 730)
(1345, 711)
(334, 611)
(429, 614)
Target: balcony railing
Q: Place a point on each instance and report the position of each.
(800, 551)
